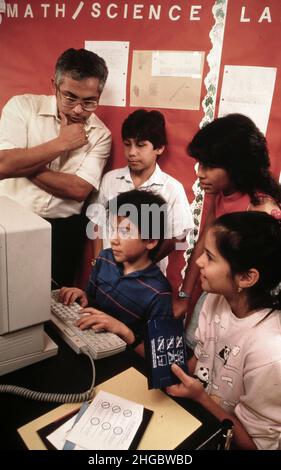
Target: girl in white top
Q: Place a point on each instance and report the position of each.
(237, 361)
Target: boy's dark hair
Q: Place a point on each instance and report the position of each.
(145, 125)
(146, 210)
(234, 143)
(80, 64)
(253, 240)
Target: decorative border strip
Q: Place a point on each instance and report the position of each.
(216, 35)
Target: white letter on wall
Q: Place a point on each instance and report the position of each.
(12, 10)
(194, 12)
(242, 17)
(265, 15)
(28, 11)
(137, 15)
(95, 13)
(45, 7)
(153, 13)
(111, 15)
(60, 10)
(174, 18)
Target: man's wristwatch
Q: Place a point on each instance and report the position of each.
(183, 295)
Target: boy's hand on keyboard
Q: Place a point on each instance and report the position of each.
(101, 321)
(68, 295)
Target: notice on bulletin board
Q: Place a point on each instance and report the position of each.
(115, 54)
(166, 79)
(248, 90)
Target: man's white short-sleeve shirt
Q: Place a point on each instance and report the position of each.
(30, 120)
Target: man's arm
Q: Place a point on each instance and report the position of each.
(62, 185)
(191, 277)
(99, 216)
(26, 161)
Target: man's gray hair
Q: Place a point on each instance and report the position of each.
(80, 64)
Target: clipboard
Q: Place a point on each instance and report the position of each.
(47, 430)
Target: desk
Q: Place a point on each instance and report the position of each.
(69, 372)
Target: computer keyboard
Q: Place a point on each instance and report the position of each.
(99, 345)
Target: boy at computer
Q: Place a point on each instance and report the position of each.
(126, 288)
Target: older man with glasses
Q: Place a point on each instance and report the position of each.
(53, 150)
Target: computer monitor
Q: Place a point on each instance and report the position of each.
(25, 286)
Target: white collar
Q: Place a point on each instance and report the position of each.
(155, 179)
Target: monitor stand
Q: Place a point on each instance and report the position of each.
(49, 349)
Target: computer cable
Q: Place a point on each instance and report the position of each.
(54, 397)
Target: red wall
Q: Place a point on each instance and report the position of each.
(32, 36)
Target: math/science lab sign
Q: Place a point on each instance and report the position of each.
(154, 11)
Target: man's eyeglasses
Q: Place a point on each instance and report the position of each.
(69, 102)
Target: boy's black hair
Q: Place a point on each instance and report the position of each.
(145, 125)
(80, 64)
(146, 210)
(253, 240)
(234, 143)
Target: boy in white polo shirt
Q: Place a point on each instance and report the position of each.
(144, 139)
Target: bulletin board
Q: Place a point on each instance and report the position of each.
(193, 61)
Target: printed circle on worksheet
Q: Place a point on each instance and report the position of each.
(106, 426)
(118, 430)
(105, 404)
(116, 409)
(127, 413)
(95, 421)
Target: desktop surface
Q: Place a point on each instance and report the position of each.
(69, 372)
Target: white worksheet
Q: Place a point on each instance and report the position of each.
(109, 423)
